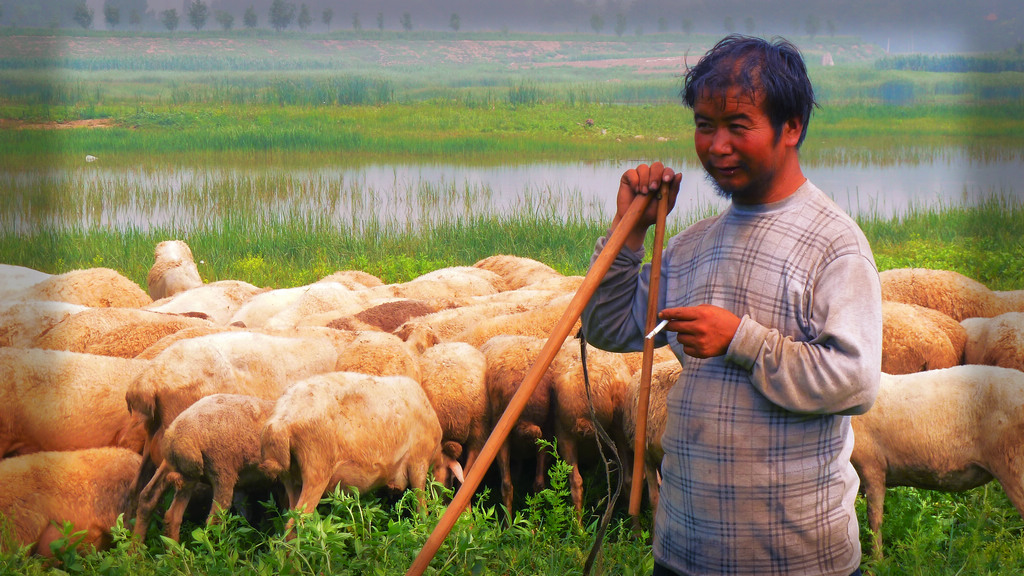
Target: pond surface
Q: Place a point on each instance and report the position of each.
(184, 198)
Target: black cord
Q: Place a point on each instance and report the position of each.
(602, 438)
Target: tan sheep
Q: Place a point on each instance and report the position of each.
(952, 429)
(386, 316)
(353, 279)
(444, 325)
(173, 271)
(454, 376)
(574, 429)
(948, 292)
(42, 491)
(57, 400)
(320, 298)
(509, 358)
(517, 270)
(447, 284)
(22, 322)
(216, 440)
(664, 375)
(350, 430)
(93, 287)
(538, 322)
(997, 341)
(258, 310)
(15, 279)
(240, 362)
(122, 332)
(915, 338)
(154, 349)
(217, 301)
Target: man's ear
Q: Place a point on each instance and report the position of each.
(792, 130)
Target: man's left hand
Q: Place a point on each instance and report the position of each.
(704, 330)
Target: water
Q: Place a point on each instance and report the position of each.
(186, 198)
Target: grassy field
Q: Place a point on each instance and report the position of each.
(210, 100)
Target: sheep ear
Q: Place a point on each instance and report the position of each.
(456, 469)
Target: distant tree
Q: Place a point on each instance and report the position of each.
(406, 21)
(281, 14)
(831, 27)
(326, 17)
(380, 21)
(304, 18)
(169, 18)
(620, 24)
(197, 13)
(662, 24)
(729, 24)
(82, 15)
(225, 19)
(249, 18)
(455, 22)
(597, 23)
(687, 26)
(748, 24)
(134, 19)
(356, 24)
(812, 24)
(112, 14)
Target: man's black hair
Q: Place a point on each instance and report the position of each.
(774, 70)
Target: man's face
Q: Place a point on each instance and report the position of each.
(737, 145)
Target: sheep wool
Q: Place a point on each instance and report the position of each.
(21, 323)
(121, 332)
(93, 287)
(217, 439)
(40, 492)
(173, 271)
(58, 400)
(915, 338)
(952, 429)
(997, 341)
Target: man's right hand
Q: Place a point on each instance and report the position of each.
(640, 181)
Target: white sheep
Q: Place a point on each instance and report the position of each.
(256, 311)
(353, 279)
(122, 332)
(454, 377)
(93, 287)
(915, 338)
(154, 349)
(22, 322)
(574, 428)
(57, 400)
(951, 429)
(217, 301)
(319, 298)
(996, 341)
(42, 491)
(446, 283)
(173, 271)
(949, 292)
(444, 325)
(216, 440)
(664, 375)
(350, 430)
(15, 279)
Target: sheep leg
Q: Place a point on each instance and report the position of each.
(874, 493)
(541, 472)
(146, 471)
(506, 477)
(313, 489)
(653, 487)
(175, 512)
(148, 498)
(569, 453)
(223, 492)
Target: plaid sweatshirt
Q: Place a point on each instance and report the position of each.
(756, 477)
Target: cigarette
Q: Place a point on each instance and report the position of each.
(661, 326)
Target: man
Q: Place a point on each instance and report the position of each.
(775, 314)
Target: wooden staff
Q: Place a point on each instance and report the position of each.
(646, 366)
(518, 402)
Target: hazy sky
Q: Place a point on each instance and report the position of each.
(905, 25)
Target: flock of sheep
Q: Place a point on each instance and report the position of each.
(112, 396)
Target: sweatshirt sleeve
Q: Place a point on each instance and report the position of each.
(839, 370)
(614, 317)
